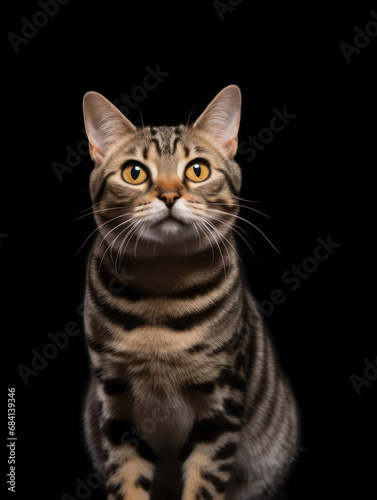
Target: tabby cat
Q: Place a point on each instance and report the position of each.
(186, 399)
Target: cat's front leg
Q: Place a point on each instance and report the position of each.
(207, 468)
(131, 463)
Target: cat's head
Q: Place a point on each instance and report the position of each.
(167, 189)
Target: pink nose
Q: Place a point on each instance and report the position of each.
(169, 197)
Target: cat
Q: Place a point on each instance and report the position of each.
(186, 398)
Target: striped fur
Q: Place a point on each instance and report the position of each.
(186, 399)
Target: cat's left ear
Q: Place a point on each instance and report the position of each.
(104, 124)
(221, 119)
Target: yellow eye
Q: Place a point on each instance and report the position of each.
(197, 171)
(134, 173)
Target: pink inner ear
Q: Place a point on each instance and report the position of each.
(231, 147)
(95, 153)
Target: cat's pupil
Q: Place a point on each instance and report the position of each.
(197, 170)
(135, 172)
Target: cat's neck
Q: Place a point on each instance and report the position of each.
(167, 271)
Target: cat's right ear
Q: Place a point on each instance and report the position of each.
(221, 119)
(104, 124)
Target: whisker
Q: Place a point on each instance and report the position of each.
(239, 234)
(224, 237)
(248, 222)
(218, 246)
(246, 199)
(129, 234)
(141, 117)
(113, 242)
(231, 226)
(111, 245)
(86, 209)
(102, 210)
(149, 239)
(198, 233)
(184, 244)
(243, 206)
(119, 252)
(111, 230)
(189, 116)
(97, 228)
(205, 231)
(138, 237)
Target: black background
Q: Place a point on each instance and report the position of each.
(314, 179)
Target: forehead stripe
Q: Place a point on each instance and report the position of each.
(176, 140)
(158, 147)
(229, 180)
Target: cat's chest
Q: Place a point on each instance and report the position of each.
(158, 358)
(166, 369)
(164, 420)
(165, 398)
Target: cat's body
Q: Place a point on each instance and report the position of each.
(186, 399)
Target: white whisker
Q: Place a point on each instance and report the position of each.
(86, 209)
(205, 231)
(111, 230)
(231, 226)
(248, 222)
(100, 211)
(128, 228)
(246, 199)
(125, 237)
(97, 228)
(111, 245)
(243, 206)
(217, 243)
(198, 233)
(184, 244)
(138, 237)
(222, 237)
(128, 236)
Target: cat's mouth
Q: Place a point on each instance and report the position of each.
(168, 227)
(169, 219)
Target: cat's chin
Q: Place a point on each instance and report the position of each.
(169, 232)
(170, 226)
